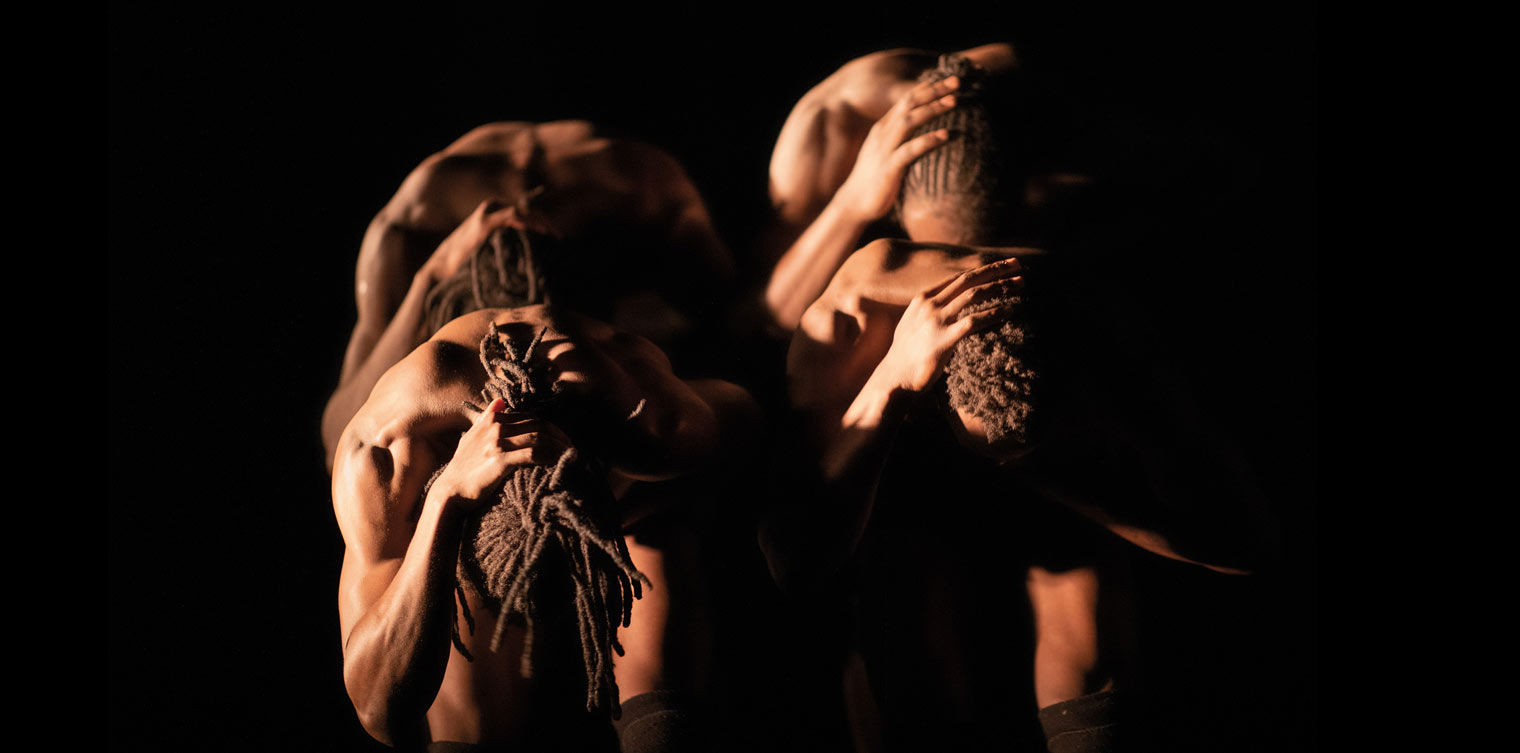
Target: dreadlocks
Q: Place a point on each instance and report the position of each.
(968, 170)
(554, 530)
(505, 272)
(989, 376)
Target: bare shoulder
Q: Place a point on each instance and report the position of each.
(869, 84)
(864, 268)
(998, 57)
(446, 185)
(646, 163)
(491, 137)
(626, 348)
(567, 132)
(407, 393)
(889, 271)
(442, 189)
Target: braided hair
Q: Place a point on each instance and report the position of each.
(969, 171)
(554, 532)
(506, 271)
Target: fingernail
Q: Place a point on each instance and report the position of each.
(948, 100)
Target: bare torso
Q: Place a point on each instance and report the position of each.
(587, 186)
(824, 132)
(409, 428)
(962, 565)
(638, 249)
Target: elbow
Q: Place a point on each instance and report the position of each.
(378, 712)
(376, 725)
(374, 716)
(785, 301)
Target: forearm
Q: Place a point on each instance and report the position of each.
(402, 334)
(1131, 453)
(853, 459)
(811, 541)
(804, 271)
(395, 655)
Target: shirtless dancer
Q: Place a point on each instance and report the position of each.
(997, 497)
(403, 537)
(849, 143)
(636, 239)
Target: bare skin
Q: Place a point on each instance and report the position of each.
(869, 348)
(866, 351)
(852, 338)
(562, 178)
(840, 159)
(396, 603)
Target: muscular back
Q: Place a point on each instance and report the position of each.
(824, 132)
(409, 428)
(638, 246)
(420, 401)
(590, 188)
(848, 330)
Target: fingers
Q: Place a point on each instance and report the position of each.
(530, 430)
(984, 292)
(918, 107)
(491, 214)
(921, 115)
(535, 455)
(997, 270)
(517, 433)
(928, 92)
(932, 292)
(980, 320)
(918, 147)
(507, 217)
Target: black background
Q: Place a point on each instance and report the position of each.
(249, 149)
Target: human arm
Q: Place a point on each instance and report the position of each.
(396, 588)
(866, 195)
(647, 423)
(387, 331)
(821, 137)
(1118, 438)
(848, 447)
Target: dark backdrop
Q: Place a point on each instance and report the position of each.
(248, 149)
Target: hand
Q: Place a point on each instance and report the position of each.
(495, 445)
(462, 243)
(932, 324)
(872, 186)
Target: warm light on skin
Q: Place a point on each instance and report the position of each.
(931, 222)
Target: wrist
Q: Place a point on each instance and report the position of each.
(896, 372)
(850, 208)
(883, 397)
(443, 501)
(426, 278)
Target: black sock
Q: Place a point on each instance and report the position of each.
(1089, 724)
(660, 722)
